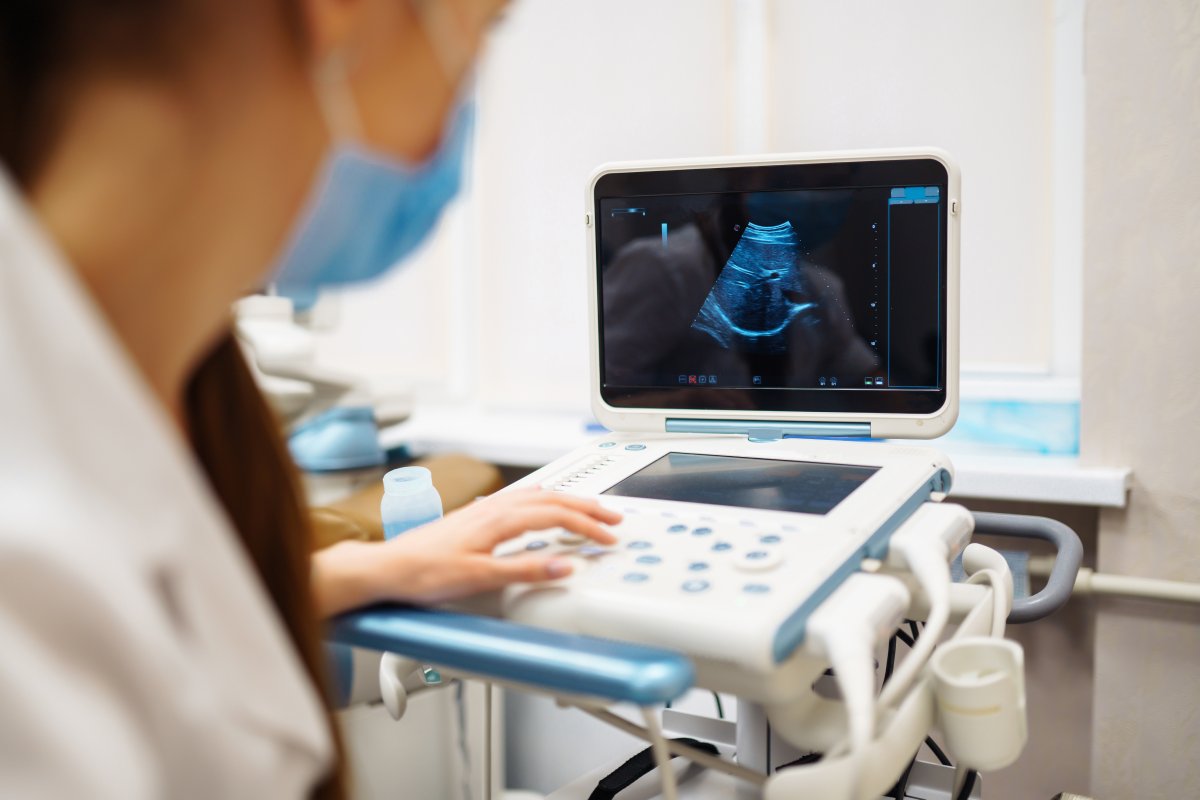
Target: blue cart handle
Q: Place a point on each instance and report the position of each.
(506, 651)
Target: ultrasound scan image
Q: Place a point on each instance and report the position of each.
(760, 293)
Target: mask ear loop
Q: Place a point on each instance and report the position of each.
(331, 82)
(445, 37)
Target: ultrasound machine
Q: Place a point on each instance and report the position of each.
(762, 331)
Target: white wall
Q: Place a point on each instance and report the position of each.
(972, 78)
(1141, 395)
(494, 310)
(568, 87)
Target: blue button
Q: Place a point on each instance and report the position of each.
(721, 547)
(697, 566)
(757, 555)
(636, 577)
(694, 586)
(648, 559)
(756, 588)
(770, 539)
(635, 447)
(536, 544)
(677, 529)
(608, 444)
(640, 545)
(592, 550)
(701, 531)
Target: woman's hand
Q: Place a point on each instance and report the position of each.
(452, 558)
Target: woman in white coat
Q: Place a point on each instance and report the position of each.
(159, 607)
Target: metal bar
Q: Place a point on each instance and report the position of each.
(681, 750)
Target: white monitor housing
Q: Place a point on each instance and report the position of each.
(806, 295)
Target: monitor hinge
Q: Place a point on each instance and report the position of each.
(772, 430)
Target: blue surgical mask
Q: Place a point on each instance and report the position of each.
(369, 211)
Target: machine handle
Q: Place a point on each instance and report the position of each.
(1061, 582)
(506, 651)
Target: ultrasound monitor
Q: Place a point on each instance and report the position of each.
(784, 287)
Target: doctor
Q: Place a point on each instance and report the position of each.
(159, 608)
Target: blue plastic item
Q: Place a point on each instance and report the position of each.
(409, 500)
(341, 438)
(506, 651)
(1033, 426)
(767, 430)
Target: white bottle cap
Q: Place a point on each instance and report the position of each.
(407, 480)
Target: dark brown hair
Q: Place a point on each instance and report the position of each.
(235, 437)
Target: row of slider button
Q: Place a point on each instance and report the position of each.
(593, 467)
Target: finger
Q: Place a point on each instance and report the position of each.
(586, 505)
(515, 521)
(501, 572)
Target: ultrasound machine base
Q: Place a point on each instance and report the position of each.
(722, 571)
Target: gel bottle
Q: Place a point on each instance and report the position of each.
(409, 500)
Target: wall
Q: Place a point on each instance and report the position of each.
(497, 297)
(1141, 397)
(864, 74)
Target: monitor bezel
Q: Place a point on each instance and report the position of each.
(895, 412)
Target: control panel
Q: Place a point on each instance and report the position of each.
(725, 546)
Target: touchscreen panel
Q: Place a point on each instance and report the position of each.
(820, 289)
(800, 486)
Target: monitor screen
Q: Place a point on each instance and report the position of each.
(804, 487)
(813, 287)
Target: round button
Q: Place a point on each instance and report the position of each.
(635, 447)
(756, 560)
(591, 550)
(567, 537)
(639, 545)
(770, 539)
(636, 577)
(756, 588)
(606, 445)
(721, 547)
(648, 559)
(698, 566)
(703, 531)
(694, 586)
(537, 544)
(677, 529)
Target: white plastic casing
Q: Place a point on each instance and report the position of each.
(901, 426)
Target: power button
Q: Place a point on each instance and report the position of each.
(954, 207)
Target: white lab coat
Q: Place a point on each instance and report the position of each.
(140, 656)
